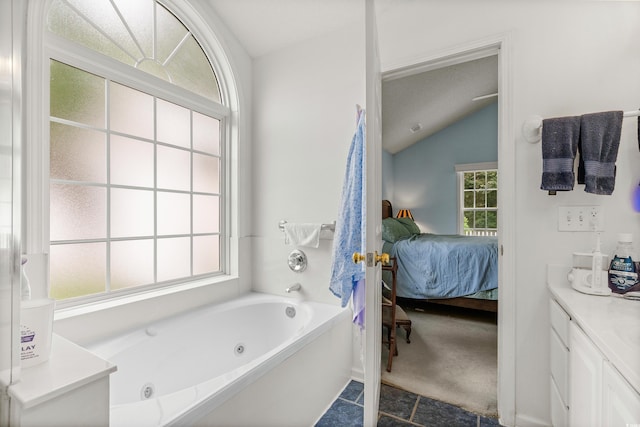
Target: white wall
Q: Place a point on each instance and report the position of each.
(569, 58)
(305, 100)
(387, 176)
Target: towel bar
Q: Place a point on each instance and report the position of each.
(532, 126)
(330, 227)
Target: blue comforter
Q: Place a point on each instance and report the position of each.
(439, 266)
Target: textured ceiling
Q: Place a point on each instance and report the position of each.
(434, 99)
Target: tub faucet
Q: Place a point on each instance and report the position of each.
(294, 287)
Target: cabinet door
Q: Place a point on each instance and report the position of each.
(585, 378)
(621, 403)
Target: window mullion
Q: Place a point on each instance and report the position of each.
(155, 182)
(108, 161)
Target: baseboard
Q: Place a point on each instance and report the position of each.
(357, 375)
(525, 421)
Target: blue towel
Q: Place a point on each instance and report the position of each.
(359, 303)
(599, 142)
(350, 225)
(560, 138)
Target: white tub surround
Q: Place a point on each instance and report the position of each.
(595, 356)
(180, 370)
(71, 388)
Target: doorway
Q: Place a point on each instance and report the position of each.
(458, 59)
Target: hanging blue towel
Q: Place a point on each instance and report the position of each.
(560, 138)
(350, 225)
(359, 303)
(599, 142)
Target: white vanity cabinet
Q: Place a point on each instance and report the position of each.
(586, 361)
(621, 403)
(559, 349)
(585, 373)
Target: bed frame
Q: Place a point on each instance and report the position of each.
(464, 302)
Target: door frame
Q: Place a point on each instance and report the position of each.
(501, 45)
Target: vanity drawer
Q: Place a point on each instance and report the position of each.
(560, 322)
(559, 410)
(559, 366)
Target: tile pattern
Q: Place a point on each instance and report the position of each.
(399, 408)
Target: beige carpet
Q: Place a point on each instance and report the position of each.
(452, 357)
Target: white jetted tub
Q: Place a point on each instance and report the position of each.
(257, 360)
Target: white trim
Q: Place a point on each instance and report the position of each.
(478, 49)
(371, 342)
(507, 237)
(466, 167)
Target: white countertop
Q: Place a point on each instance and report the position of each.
(612, 323)
(68, 367)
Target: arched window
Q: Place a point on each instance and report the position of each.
(136, 150)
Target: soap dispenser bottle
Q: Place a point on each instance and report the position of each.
(36, 324)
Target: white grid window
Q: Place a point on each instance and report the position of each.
(136, 174)
(478, 206)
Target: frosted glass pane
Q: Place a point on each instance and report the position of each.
(174, 124)
(68, 24)
(77, 212)
(139, 17)
(131, 263)
(77, 95)
(104, 16)
(206, 214)
(131, 111)
(206, 134)
(206, 174)
(131, 162)
(189, 68)
(77, 270)
(174, 213)
(77, 154)
(170, 35)
(206, 254)
(174, 169)
(174, 258)
(131, 213)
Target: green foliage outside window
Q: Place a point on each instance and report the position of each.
(480, 201)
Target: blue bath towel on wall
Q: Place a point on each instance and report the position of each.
(350, 225)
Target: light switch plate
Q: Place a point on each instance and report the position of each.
(580, 218)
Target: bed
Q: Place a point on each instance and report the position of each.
(445, 269)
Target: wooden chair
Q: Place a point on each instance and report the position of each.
(393, 316)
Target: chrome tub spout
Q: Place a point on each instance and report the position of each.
(294, 287)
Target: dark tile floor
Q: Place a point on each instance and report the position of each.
(399, 408)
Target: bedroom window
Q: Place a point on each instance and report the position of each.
(478, 190)
(136, 145)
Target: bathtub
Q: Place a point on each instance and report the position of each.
(257, 360)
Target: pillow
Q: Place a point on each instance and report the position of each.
(393, 230)
(410, 225)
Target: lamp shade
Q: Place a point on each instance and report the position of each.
(404, 213)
